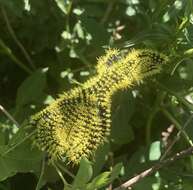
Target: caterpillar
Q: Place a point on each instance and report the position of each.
(76, 123)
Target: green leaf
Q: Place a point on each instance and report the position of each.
(19, 136)
(16, 6)
(105, 178)
(84, 174)
(30, 95)
(123, 108)
(116, 171)
(64, 5)
(21, 159)
(99, 181)
(148, 183)
(50, 175)
(98, 34)
(32, 89)
(136, 163)
(155, 151)
(2, 137)
(100, 158)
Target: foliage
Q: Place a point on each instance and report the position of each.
(47, 47)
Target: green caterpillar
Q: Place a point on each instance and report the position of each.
(79, 121)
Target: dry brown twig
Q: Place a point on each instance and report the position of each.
(128, 184)
(173, 142)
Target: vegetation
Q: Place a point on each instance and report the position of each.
(48, 47)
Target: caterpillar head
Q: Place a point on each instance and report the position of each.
(133, 65)
(144, 62)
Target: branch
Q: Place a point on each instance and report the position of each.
(9, 115)
(128, 184)
(107, 12)
(13, 35)
(177, 124)
(7, 51)
(176, 138)
(40, 179)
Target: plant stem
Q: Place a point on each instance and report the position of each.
(177, 124)
(107, 12)
(61, 176)
(66, 171)
(68, 16)
(128, 184)
(176, 138)
(38, 186)
(180, 98)
(14, 37)
(9, 53)
(17, 144)
(153, 112)
(9, 116)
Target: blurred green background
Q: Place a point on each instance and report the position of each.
(49, 46)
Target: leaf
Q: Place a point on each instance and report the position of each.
(64, 5)
(100, 158)
(147, 183)
(123, 108)
(32, 89)
(84, 174)
(155, 151)
(16, 6)
(2, 137)
(116, 171)
(18, 156)
(98, 33)
(20, 159)
(30, 95)
(99, 181)
(136, 163)
(105, 178)
(50, 175)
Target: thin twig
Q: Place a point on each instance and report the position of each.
(176, 66)
(176, 138)
(13, 35)
(66, 170)
(7, 51)
(154, 111)
(68, 16)
(107, 12)
(9, 116)
(178, 96)
(60, 175)
(17, 144)
(38, 186)
(128, 184)
(177, 124)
